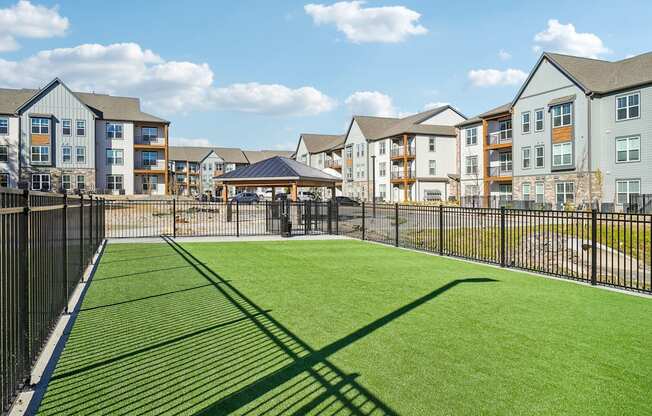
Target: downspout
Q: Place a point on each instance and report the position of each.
(589, 138)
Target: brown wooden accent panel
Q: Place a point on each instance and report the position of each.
(40, 139)
(562, 134)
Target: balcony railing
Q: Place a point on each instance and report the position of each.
(499, 171)
(500, 137)
(401, 151)
(334, 163)
(158, 141)
(401, 174)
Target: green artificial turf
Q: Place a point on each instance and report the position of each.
(345, 327)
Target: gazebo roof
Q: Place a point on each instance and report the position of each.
(278, 169)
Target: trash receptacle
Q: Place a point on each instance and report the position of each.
(286, 225)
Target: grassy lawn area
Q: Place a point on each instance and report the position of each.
(344, 327)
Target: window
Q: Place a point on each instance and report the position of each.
(565, 192)
(66, 127)
(114, 182)
(561, 115)
(65, 182)
(304, 159)
(349, 173)
(382, 148)
(526, 187)
(505, 129)
(382, 191)
(41, 182)
(382, 169)
(562, 154)
(432, 195)
(628, 106)
(40, 154)
(113, 131)
(431, 144)
(4, 180)
(359, 152)
(149, 133)
(219, 166)
(471, 136)
(80, 152)
(4, 153)
(538, 191)
(4, 125)
(628, 149)
(505, 162)
(538, 119)
(626, 188)
(66, 154)
(150, 182)
(432, 167)
(539, 158)
(525, 122)
(504, 191)
(349, 152)
(472, 190)
(471, 165)
(40, 125)
(115, 157)
(527, 158)
(149, 159)
(81, 182)
(81, 128)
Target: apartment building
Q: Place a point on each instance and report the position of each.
(583, 133)
(470, 157)
(324, 152)
(408, 159)
(57, 139)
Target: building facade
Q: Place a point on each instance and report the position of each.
(324, 152)
(59, 140)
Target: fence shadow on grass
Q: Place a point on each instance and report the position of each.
(220, 353)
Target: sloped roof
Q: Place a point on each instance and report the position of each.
(496, 111)
(254, 156)
(231, 154)
(277, 168)
(317, 143)
(602, 77)
(472, 120)
(189, 153)
(375, 128)
(104, 106)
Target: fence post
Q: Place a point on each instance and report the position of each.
(25, 248)
(90, 226)
(396, 224)
(594, 246)
(330, 217)
(174, 217)
(337, 218)
(81, 236)
(363, 221)
(64, 237)
(237, 218)
(441, 229)
(502, 236)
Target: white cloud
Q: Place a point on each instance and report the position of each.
(370, 103)
(272, 99)
(185, 141)
(430, 106)
(388, 24)
(563, 38)
(164, 86)
(504, 55)
(495, 77)
(25, 20)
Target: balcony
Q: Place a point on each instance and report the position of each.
(401, 175)
(499, 171)
(149, 142)
(334, 163)
(501, 137)
(401, 152)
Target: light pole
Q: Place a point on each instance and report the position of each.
(373, 185)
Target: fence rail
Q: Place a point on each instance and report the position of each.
(46, 243)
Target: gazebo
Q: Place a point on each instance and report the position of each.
(276, 172)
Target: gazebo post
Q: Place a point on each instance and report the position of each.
(225, 192)
(273, 193)
(294, 192)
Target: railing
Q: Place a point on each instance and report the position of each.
(499, 171)
(157, 141)
(334, 163)
(47, 242)
(639, 204)
(594, 247)
(400, 174)
(499, 201)
(500, 137)
(401, 151)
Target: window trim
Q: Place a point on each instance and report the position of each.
(8, 178)
(543, 156)
(77, 128)
(475, 136)
(627, 138)
(122, 159)
(63, 131)
(572, 156)
(529, 122)
(529, 158)
(557, 183)
(6, 153)
(63, 182)
(6, 119)
(627, 107)
(561, 115)
(467, 165)
(112, 123)
(39, 162)
(543, 191)
(31, 125)
(147, 152)
(63, 154)
(529, 193)
(432, 145)
(77, 148)
(543, 120)
(40, 175)
(628, 180)
(430, 162)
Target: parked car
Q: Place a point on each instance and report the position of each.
(245, 198)
(307, 196)
(346, 201)
(281, 196)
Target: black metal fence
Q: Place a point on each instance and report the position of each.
(46, 243)
(612, 249)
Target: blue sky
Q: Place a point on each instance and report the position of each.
(255, 74)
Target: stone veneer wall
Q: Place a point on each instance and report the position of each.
(581, 181)
(55, 176)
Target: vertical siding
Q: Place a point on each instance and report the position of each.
(102, 143)
(11, 141)
(474, 150)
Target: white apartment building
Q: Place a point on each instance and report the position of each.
(470, 157)
(408, 159)
(324, 152)
(57, 139)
